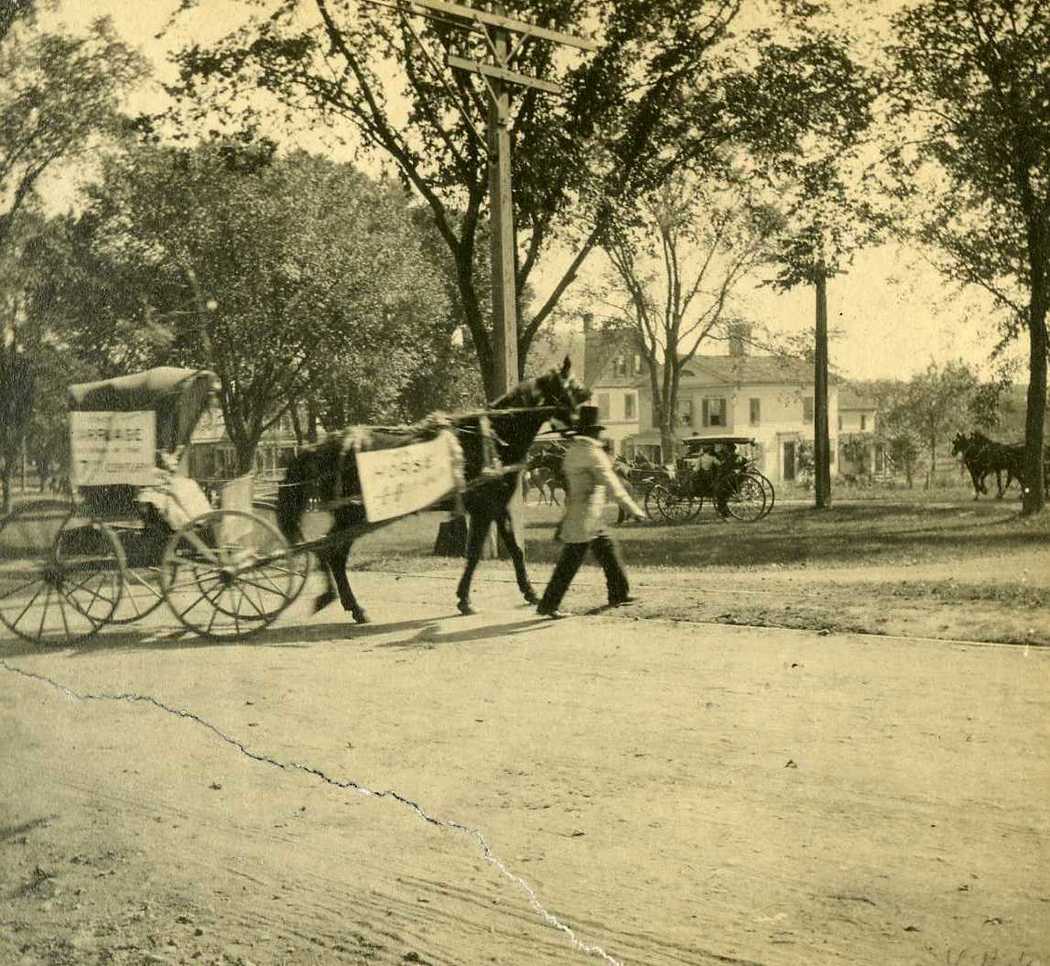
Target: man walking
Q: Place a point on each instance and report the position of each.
(589, 473)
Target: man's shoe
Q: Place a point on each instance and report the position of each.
(629, 599)
(552, 612)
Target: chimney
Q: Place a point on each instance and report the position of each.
(588, 322)
(739, 336)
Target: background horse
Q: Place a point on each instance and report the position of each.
(545, 473)
(983, 456)
(325, 471)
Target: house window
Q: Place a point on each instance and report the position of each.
(863, 423)
(619, 366)
(756, 411)
(685, 412)
(603, 405)
(637, 364)
(629, 408)
(714, 412)
(807, 409)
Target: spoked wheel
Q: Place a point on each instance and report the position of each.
(649, 502)
(60, 573)
(767, 488)
(744, 498)
(228, 574)
(671, 506)
(143, 592)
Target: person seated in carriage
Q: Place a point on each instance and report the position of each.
(708, 464)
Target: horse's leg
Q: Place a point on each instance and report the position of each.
(479, 529)
(977, 484)
(1000, 489)
(340, 554)
(322, 600)
(517, 556)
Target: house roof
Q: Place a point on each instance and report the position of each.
(753, 370)
(550, 349)
(851, 399)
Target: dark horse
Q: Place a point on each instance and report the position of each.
(326, 472)
(983, 456)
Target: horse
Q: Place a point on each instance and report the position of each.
(505, 430)
(983, 456)
(544, 483)
(545, 473)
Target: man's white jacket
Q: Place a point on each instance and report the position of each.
(589, 475)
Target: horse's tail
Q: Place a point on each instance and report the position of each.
(291, 499)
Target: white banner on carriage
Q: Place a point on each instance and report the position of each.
(396, 482)
(110, 447)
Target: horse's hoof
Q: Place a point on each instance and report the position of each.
(361, 617)
(531, 598)
(323, 600)
(464, 608)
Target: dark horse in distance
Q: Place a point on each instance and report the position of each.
(324, 471)
(983, 456)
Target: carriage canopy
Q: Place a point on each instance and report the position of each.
(696, 444)
(178, 397)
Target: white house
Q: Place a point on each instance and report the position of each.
(857, 423)
(767, 398)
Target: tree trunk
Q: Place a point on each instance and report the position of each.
(1034, 497)
(821, 436)
(668, 446)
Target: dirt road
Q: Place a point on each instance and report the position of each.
(500, 789)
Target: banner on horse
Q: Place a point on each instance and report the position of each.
(399, 481)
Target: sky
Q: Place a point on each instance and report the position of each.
(892, 313)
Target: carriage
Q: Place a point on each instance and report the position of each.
(719, 470)
(139, 531)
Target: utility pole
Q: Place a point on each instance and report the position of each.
(501, 206)
(503, 38)
(821, 440)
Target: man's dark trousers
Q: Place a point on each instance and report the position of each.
(572, 555)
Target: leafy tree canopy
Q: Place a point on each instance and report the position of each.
(57, 93)
(671, 83)
(972, 79)
(289, 276)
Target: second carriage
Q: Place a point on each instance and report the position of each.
(717, 470)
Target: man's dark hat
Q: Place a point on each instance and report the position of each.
(587, 420)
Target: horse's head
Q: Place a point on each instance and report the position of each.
(560, 389)
(960, 443)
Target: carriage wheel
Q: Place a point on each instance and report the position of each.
(142, 595)
(228, 574)
(744, 498)
(673, 507)
(142, 592)
(767, 488)
(652, 496)
(60, 573)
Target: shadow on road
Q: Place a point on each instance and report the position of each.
(428, 630)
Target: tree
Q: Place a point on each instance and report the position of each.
(673, 275)
(826, 216)
(935, 404)
(669, 84)
(972, 79)
(292, 277)
(58, 93)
